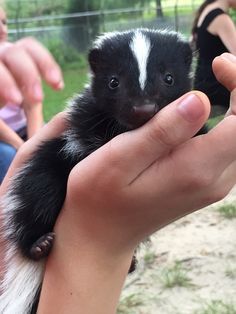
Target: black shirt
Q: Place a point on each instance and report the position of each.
(209, 46)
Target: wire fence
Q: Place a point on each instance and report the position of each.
(79, 29)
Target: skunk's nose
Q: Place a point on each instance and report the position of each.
(138, 114)
(146, 110)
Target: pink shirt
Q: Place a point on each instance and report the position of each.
(13, 116)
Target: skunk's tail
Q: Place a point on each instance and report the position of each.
(21, 283)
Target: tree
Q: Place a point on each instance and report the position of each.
(82, 29)
(159, 11)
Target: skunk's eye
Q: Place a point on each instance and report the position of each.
(168, 79)
(114, 83)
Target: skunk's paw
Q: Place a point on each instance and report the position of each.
(42, 247)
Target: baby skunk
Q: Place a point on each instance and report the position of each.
(134, 74)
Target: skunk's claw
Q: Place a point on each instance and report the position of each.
(42, 247)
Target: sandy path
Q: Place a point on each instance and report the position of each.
(204, 243)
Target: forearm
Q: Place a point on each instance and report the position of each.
(83, 277)
(34, 115)
(8, 136)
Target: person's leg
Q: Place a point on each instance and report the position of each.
(7, 153)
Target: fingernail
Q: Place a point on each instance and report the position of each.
(15, 96)
(229, 57)
(54, 75)
(37, 90)
(191, 108)
(60, 85)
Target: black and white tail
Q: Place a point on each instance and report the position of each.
(22, 278)
(20, 284)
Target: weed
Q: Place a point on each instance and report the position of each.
(129, 303)
(149, 258)
(231, 272)
(228, 211)
(175, 276)
(218, 307)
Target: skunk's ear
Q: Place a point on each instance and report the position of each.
(188, 55)
(95, 59)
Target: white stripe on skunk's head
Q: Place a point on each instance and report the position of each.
(141, 46)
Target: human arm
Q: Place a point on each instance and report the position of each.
(9, 136)
(99, 229)
(223, 26)
(34, 117)
(22, 66)
(123, 192)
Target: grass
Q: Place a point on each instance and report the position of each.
(228, 211)
(129, 303)
(174, 276)
(75, 77)
(231, 272)
(149, 258)
(218, 307)
(54, 102)
(214, 121)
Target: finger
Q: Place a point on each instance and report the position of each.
(232, 104)
(45, 62)
(221, 138)
(9, 91)
(224, 68)
(206, 158)
(202, 160)
(129, 154)
(25, 73)
(53, 129)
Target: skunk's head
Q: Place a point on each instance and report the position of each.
(136, 73)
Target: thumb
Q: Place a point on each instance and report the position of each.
(130, 153)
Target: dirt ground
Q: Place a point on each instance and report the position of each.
(188, 268)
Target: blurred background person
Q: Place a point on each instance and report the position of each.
(213, 33)
(18, 121)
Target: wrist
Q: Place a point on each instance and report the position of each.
(85, 274)
(17, 142)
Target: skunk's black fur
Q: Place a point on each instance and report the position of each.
(113, 103)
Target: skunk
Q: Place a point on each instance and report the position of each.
(134, 74)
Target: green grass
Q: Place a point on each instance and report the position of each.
(149, 258)
(228, 211)
(129, 304)
(218, 307)
(231, 272)
(75, 77)
(212, 122)
(174, 276)
(54, 102)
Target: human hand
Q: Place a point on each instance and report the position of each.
(145, 179)
(126, 190)
(22, 66)
(118, 186)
